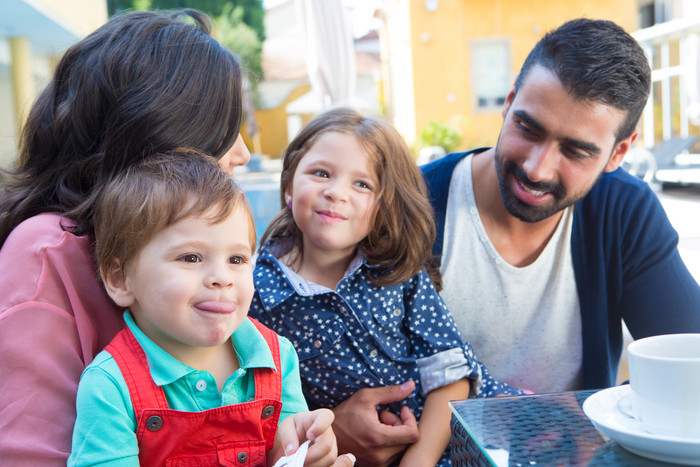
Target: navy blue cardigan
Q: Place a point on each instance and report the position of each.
(626, 264)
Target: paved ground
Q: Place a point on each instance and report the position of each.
(682, 206)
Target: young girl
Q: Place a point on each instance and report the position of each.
(191, 380)
(343, 273)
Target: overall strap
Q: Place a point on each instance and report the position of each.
(132, 361)
(268, 384)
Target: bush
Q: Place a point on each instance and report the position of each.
(441, 134)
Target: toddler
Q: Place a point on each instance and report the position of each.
(190, 380)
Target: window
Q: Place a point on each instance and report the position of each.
(653, 12)
(490, 72)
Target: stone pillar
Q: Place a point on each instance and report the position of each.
(22, 78)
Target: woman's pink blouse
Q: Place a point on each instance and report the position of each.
(54, 318)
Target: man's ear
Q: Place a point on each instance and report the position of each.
(509, 100)
(620, 151)
(116, 284)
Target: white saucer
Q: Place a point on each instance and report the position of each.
(607, 411)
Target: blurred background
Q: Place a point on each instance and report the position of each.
(439, 70)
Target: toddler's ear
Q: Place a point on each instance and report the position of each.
(116, 284)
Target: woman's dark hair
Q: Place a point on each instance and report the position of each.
(596, 61)
(143, 83)
(402, 210)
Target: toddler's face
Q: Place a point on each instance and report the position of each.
(333, 194)
(192, 284)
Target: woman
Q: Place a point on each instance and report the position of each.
(143, 83)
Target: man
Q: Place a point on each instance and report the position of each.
(545, 245)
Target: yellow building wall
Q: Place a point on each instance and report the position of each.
(273, 126)
(84, 15)
(440, 41)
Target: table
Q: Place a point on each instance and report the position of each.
(540, 429)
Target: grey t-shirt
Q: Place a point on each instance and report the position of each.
(523, 322)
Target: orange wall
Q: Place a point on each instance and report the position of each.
(273, 126)
(440, 42)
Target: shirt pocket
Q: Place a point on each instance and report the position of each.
(390, 332)
(319, 336)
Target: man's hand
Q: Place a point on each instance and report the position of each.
(375, 440)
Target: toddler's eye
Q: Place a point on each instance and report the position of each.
(190, 258)
(320, 173)
(238, 260)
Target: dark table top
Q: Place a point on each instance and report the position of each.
(541, 429)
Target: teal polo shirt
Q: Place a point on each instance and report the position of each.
(105, 427)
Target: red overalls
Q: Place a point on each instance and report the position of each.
(234, 435)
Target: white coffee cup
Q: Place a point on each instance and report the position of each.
(664, 376)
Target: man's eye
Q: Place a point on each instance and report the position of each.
(525, 129)
(191, 258)
(574, 154)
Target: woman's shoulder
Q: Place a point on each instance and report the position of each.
(40, 257)
(41, 239)
(46, 230)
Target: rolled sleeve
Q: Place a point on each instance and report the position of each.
(445, 368)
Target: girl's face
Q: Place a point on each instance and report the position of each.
(333, 194)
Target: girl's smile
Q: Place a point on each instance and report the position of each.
(333, 195)
(331, 217)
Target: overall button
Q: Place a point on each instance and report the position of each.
(242, 457)
(317, 344)
(154, 423)
(373, 353)
(268, 411)
(201, 385)
(397, 312)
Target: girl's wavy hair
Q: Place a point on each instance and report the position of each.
(156, 193)
(143, 83)
(403, 231)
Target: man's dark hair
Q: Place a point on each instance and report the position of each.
(596, 61)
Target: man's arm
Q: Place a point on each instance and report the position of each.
(657, 294)
(375, 440)
(627, 266)
(435, 425)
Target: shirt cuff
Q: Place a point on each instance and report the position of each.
(445, 368)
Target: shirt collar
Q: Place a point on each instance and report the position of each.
(250, 346)
(267, 279)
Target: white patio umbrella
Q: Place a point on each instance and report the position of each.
(693, 77)
(330, 54)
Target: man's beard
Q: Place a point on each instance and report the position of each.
(524, 211)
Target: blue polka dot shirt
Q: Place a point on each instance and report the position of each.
(360, 335)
